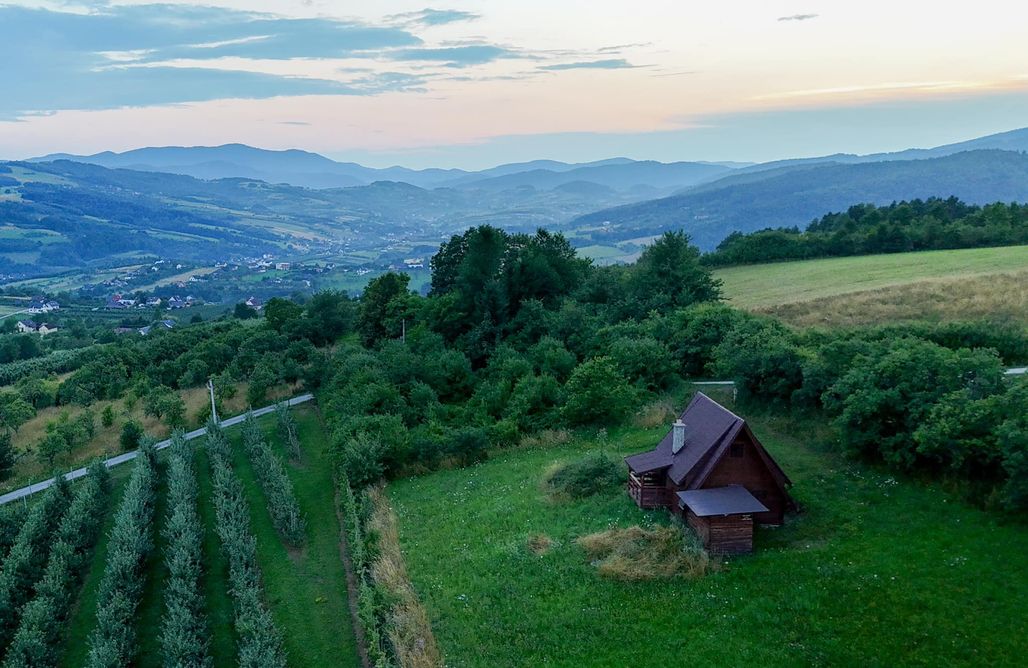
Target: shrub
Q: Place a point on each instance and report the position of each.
(594, 473)
(260, 644)
(278, 489)
(598, 393)
(131, 433)
(7, 455)
(112, 642)
(636, 553)
(107, 416)
(183, 632)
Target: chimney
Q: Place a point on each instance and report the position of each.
(677, 436)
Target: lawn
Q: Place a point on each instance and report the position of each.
(765, 285)
(875, 571)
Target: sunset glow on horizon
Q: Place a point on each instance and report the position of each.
(471, 84)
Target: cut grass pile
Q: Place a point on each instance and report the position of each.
(766, 285)
(874, 571)
(636, 553)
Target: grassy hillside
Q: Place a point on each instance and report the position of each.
(875, 571)
(874, 288)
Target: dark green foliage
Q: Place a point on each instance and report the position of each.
(11, 517)
(37, 641)
(131, 433)
(113, 641)
(27, 558)
(595, 472)
(880, 402)
(244, 312)
(260, 645)
(668, 275)
(14, 411)
(865, 229)
(382, 298)
(7, 454)
(278, 489)
(763, 359)
(598, 393)
(184, 636)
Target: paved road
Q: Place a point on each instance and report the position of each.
(129, 456)
(8, 315)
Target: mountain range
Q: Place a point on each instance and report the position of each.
(202, 203)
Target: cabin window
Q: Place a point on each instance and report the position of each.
(738, 449)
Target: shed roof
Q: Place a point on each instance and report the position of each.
(730, 500)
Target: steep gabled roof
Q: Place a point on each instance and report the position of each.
(709, 429)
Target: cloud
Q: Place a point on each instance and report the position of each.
(433, 17)
(616, 48)
(94, 60)
(798, 17)
(456, 56)
(608, 64)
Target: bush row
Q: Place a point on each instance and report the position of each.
(372, 609)
(27, 558)
(37, 641)
(112, 641)
(278, 489)
(260, 643)
(184, 637)
(56, 362)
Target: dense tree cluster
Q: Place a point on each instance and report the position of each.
(866, 229)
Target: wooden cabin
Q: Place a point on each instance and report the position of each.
(711, 470)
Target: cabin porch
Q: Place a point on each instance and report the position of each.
(648, 490)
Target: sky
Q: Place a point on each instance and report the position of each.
(474, 84)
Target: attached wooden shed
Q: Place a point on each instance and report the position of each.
(712, 450)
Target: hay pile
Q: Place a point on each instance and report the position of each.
(636, 553)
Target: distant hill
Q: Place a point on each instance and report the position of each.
(794, 195)
(311, 170)
(64, 214)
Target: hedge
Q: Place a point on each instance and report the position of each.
(112, 642)
(260, 643)
(278, 489)
(37, 641)
(184, 636)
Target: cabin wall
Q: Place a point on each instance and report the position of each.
(750, 471)
(731, 534)
(649, 490)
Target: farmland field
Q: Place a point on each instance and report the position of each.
(767, 285)
(305, 587)
(873, 571)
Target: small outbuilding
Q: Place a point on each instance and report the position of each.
(713, 472)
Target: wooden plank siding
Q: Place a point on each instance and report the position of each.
(728, 534)
(746, 468)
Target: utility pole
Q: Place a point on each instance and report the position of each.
(403, 330)
(214, 410)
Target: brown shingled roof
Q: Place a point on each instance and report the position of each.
(709, 429)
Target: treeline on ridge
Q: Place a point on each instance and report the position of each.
(866, 229)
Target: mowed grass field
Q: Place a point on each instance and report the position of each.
(902, 278)
(874, 571)
(305, 588)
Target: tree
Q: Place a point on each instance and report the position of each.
(598, 393)
(375, 304)
(332, 314)
(7, 455)
(261, 380)
(131, 433)
(174, 410)
(279, 312)
(107, 415)
(14, 411)
(244, 312)
(51, 447)
(669, 275)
